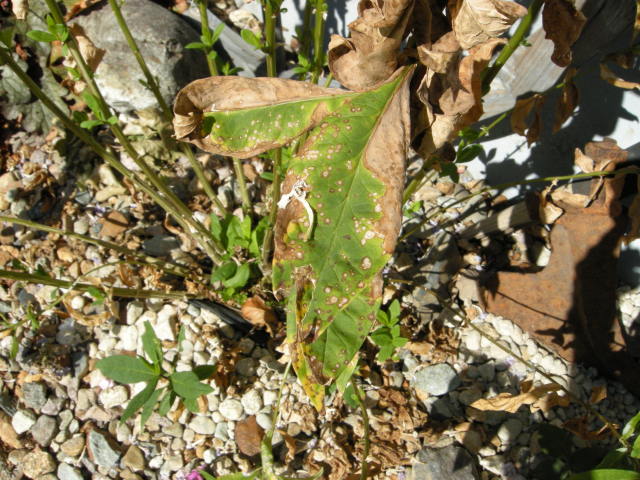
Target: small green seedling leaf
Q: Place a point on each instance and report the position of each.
(151, 345)
(97, 294)
(240, 278)
(166, 402)
(251, 38)
(204, 371)
(469, 153)
(195, 45)
(138, 401)
(149, 405)
(92, 103)
(6, 36)
(126, 369)
(224, 271)
(216, 33)
(187, 385)
(40, 36)
(191, 404)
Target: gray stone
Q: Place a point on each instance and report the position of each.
(160, 245)
(252, 402)
(34, 395)
(44, 430)
(102, 453)
(67, 472)
(161, 36)
(246, 367)
(53, 405)
(134, 459)
(37, 463)
(23, 420)
(203, 425)
(509, 431)
(436, 379)
(443, 463)
(222, 431)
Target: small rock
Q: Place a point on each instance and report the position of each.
(67, 472)
(128, 338)
(166, 324)
(252, 402)
(442, 463)
(436, 379)
(23, 420)
(78, 302)
(53, 406)
(222, 431)
(172, 463)
(160, 245)
(134, 310)
(487, 371)
(44, 430)
(34, 395)
(37, 463)
(231, 409)
(134, 459)
(114, 397)
(81, 226)
(8, 435)
(74, 446)
(264, 420)
(113, 224)
(246, 367)
(509, 431)
(101, 451)
(473, 340)
(202, 425)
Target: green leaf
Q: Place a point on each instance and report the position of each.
(240, 278)
(204, 371)
(182, 335)
(191, 404)
(89, 124)
(15, 345)
(195, 45)
(394, 309)
(606, 474)
(217, 32)
(216, 228)
(149, 405)
(97, 294)
(40, 36)
(468, 153)
(6, 36)
(92, 103)
(238, 232)
(138, 401)
(187, 385)
(631, 426)
(257, 237)
(166, 402)
(251, 38)
(126, 369)
(224, 271)
(635, 449)
(151, 344)
(232, 476)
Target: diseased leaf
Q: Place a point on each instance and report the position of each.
(562, 24)
(478, 21)
(126, 369)
(370, 55)
(340, 211)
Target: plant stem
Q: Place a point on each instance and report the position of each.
(242, 184)
(318, 40)
(270, 21)
(174, 205)
(417, 180)
(305, 34)
(83, 287)
(514, 42)
(204, 27)
(156, 262)
(164, 108)
(365, 420)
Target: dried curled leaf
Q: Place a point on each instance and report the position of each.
(567, 102)
(543, 397)
(339, 214)
(478, 21)
(610, 77)
(259, 314)
(370, 56)
(562, 24)
(452, 100)
(520, 115)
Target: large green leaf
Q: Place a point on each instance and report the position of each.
(126, 369)
(339, 215)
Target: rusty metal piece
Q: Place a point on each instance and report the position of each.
(570, 305)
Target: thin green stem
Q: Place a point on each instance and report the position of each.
(503, 186)
(242, 185)
(270, 22)
(514, 42)
(153, 261)
(83, 287)
(365, 420)
(173, 204)
(318, 40)
(164, 108)
(204, 28)
(267, 245)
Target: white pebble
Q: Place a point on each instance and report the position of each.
(231, 409)
(269, 397)
(128, 338)
(134, 310)
(113, 397)
(78, 302)
(252, 402)
(473, 340)
(264, 420)
(509, 431)
(165, 324)
(22, 421)
(202, 425)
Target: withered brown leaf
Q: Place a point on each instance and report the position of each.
(370, 55)
(478, 21)
(567, 102)
(562, 24)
